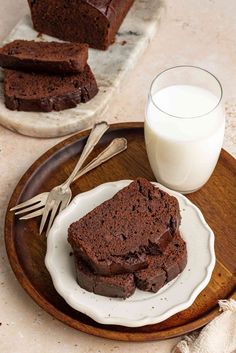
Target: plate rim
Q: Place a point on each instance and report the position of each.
(46, 305)
(97, 315)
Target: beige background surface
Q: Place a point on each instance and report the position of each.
(199, 33)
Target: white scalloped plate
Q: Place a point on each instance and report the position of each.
(142, 308)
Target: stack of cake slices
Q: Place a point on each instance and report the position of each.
(46, 76)
(129, 241)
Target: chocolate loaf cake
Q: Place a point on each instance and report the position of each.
(51, 57)
(44, 93)
(161, 269)
(118, 234)
(86, 21)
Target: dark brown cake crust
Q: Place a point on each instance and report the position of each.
(117, 235)
(161, 269)
(51, 57)
(86, 21)
(44, 93)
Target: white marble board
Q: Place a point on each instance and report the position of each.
(108, 66)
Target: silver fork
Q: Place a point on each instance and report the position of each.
(37, 203)
(60, 196)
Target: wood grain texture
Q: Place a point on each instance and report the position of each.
(26, 249)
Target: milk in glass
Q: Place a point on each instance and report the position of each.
(184, 130)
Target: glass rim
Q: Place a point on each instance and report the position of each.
(190, 67)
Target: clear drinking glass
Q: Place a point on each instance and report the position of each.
(184, 127)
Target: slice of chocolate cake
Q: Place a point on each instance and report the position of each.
(161, 269)
(44, 93)
(117, 235)
(49, 57)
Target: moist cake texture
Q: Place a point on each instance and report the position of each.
(117, 236)
(160, 270)
(163, 268)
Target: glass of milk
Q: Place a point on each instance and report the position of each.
(184, 127)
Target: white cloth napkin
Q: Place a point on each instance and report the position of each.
(219, 336)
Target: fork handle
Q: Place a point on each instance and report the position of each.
(95, 135)
(116, 146)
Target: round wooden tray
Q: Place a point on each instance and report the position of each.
(26, 248)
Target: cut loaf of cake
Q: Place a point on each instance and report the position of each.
(48, 57)
(86, 21)
(43, 93)
(117, 235)
(118, 286)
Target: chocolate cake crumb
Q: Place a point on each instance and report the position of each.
(116, 236)
(163, 268)
(129, 241)
(160, 271)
